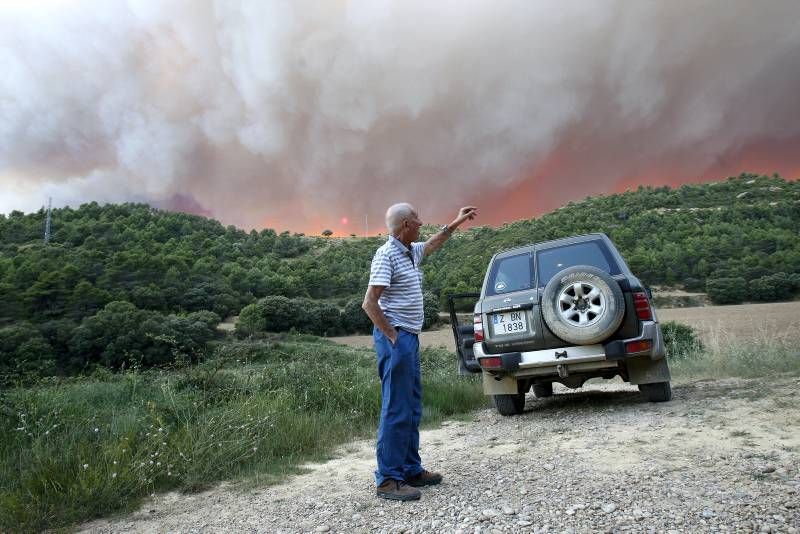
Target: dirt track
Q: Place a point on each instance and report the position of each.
(721, 457)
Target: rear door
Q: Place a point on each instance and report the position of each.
(464, 330)
(511, 304)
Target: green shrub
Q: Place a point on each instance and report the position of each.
(121, 335)
(354, 319)
(24, 353)
(778, 286)
(251, 321)
(328, 319)
(731, 290)
(58, 333)
(279, 313)
(693, 284)
(430, 307)
(681, 340)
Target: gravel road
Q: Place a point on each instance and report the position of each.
(721, 457)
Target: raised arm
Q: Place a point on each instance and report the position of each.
(438, 239)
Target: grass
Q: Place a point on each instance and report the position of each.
(75, 449)
(723, 355)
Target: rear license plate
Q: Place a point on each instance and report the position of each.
(509, 323)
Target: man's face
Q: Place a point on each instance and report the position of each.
(411, 226)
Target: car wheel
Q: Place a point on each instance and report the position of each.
(656, 392)
(583, 305)
(543, 390)
(509, 404)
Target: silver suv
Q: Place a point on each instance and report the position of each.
(560, 311)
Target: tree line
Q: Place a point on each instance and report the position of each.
(736, 239)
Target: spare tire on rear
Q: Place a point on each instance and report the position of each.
(583, 305)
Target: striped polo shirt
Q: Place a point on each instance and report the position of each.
(396, 268)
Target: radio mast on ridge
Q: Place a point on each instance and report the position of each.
(47, 221)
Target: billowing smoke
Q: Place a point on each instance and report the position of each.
(295, 114)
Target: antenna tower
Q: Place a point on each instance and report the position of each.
(47, 221)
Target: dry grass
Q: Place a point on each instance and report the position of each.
(778, 321)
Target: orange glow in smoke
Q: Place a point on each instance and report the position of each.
(311, 225)
(565, 174)
(557, 179)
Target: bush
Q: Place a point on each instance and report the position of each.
(727, 290)
(250, 321)
(430, 306)
(328, 319)
(778, 286)
(354, 319)
(58, 333)
(681, 340)
(121, 335)
(24, 353)
(693, 284)
(280, 314)
(315, 317)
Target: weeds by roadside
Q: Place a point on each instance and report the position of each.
(722, 355)
(80, 448)
(74, 449)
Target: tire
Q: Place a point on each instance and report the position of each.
(656, 392)
(583, 305)
(543, 390)
(509, 404)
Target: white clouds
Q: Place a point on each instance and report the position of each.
(318, 109)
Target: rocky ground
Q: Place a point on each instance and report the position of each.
(721, 457)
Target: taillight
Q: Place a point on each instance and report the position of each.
(493, 362)
(478, 324)
(638, 346)
(642, 305)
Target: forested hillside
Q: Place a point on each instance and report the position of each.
(737, 238)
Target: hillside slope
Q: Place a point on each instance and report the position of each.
(744, 229)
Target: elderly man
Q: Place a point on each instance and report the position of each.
(394, 304)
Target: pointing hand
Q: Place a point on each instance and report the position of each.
(467, 212)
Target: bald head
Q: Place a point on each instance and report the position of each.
(398, 213)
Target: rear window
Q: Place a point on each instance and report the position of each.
(552, 260)
(512, 273)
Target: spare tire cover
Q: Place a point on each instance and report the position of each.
(583, 305)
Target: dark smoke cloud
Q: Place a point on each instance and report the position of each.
(294, 114)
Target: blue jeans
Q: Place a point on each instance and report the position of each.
(401, 406)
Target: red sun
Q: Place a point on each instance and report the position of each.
(344, 220)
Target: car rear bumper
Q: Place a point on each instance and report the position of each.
(577, 358)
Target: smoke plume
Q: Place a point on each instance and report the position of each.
(297, 114)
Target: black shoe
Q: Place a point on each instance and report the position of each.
(396, 490)
(424, 478)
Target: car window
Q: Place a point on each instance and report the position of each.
(552, 260)
(512, 273)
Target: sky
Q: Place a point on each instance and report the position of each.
(312, 115)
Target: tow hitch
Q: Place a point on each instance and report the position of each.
(562, 370)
